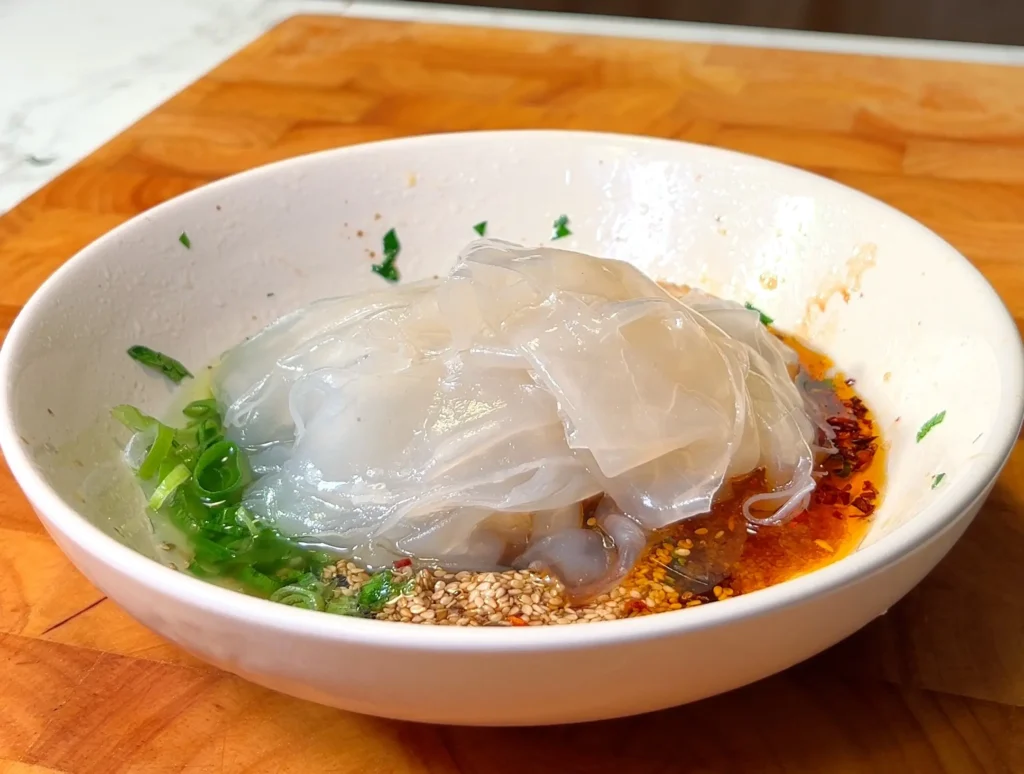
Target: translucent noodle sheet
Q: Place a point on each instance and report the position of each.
(464, 421)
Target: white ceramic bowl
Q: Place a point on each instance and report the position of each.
(921, 332)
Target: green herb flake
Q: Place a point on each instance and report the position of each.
(185, 240)
(378, 591)
(158, 361)
(392, 248)
(936, 480)
(561, 227)
(481, 227)
(929, 425)
(765, 319)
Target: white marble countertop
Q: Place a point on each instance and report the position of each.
(74, 74)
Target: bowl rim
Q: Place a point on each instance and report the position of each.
(929, 524)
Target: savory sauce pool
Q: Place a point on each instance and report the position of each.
(720, 555)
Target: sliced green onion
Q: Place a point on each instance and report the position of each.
(308, 581)
(132, 418)
(157, 452)
(201, 409)
(206, 433)
(481, 227)
(257, 581)
(220, 474)
(296, 596)
(168, 485)
(185, 240)
(320, 559)
(158, 361)
(243, 517)
(187, 512)
(211, 551)
(343, 606)
(201, 478)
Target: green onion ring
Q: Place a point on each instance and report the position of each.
(157, 452)
(200, 409)
(296, 596)
(220, 474)
(167, 487)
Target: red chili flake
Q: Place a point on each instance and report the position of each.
(843, 423)
(635, 606)
(827, 495)
(402, 563)
(516, 620)
(862, 505)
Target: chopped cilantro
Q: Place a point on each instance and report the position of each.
(561, 227)
(185, 240)
(765, 319)
(931, 423)
(481, 227)
(936, 480)
(392, 248)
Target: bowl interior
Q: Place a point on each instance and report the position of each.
(895, 307)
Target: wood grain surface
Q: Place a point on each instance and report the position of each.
(937, 685)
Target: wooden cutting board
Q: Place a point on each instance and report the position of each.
(937, 685)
